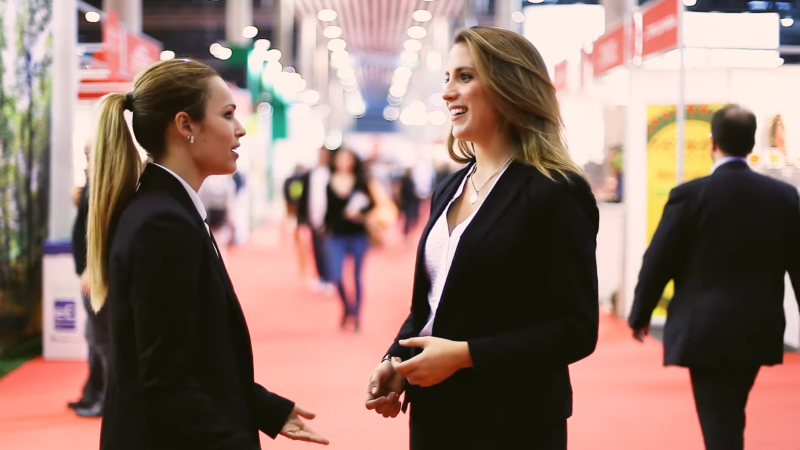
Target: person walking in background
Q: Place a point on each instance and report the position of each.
(349, 200)
(409, 202)
(314, 205)
(297, 212)
(505, 285)
(181, 363)
(727, 240)
(218, 194)
(94, 390)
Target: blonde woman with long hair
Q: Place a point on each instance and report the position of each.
(181, 363)
(505, 286)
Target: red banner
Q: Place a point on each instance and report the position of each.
(560, 76)
(660, 27)
(112, 40)
(141, 52)
(608, 51)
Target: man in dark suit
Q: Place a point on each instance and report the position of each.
(727, 240)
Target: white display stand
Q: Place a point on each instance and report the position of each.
(63, 314)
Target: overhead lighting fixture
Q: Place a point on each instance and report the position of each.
(273, 55)
(412, 45)
(394, 101)
(264, 109)
(166, 55)
(311, 97)
(340, 58)
(422, 15)
(327, 15)
(263, 44)
(403, 72)
(220, 52)
(345, 73)
(437, 118)
(517, 17)
(409, 57)
(332, 32)
(322, 111)
(397, 90)
(336, 45)
(787, 21)
(535, 1)
(689, 2)
(92, 16)
(391, 113)
(436, 99)
(249, 32)
(434, 61)
(417, 32)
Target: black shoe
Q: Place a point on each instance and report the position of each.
(95, 410)
(82, 403)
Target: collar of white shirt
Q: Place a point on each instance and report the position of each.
(195, 198)
(726, 160)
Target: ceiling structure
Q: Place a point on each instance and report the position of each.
(375, 31)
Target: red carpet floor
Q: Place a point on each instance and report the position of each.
(624, 398)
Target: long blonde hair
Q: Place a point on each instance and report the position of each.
(516, 79)
(159, 94)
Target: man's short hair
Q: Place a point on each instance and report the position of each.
(734, 130)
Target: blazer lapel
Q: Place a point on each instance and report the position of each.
(496, 202)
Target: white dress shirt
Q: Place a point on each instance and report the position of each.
(195, 199)
(440, 248)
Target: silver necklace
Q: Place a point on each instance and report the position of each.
(474, 197)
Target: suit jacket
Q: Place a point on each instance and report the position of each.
(522, 291)
(79, 248)
(181, 364)
(727, 240)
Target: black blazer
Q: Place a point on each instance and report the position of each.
(727, 240)
(181, 364)
(522, 291)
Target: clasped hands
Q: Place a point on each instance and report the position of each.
(440, 358)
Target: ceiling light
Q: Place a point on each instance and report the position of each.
(322, 111)
(340, 58)
(436, 99)
(422, 15)
(263, 44)
(264, 109)
(224, 54)
(311, 97)
(166, 55)
(397, 90)
(689, 2)
(412, 45)
(535, 1)
(417, 32)
(437, 118)
(403, 72)
(249, 32)
(335, 45)
(409, 57)
(332, 32)
(400, 80)
(394, 101)
(273, 55)
(787, 21)
(517, 17)
(92, 16)
(345, 73)
(391, 113)
(327, 15)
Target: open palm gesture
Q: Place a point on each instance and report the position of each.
(297, 430)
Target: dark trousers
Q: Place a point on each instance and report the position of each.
(720, 395)
(319, 247)
(339, 246)
(431, 434)
(97, 339)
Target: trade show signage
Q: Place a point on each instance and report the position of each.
(112, 44)
(141, 53)
(126, 53)
(608, 52)
(659, 27)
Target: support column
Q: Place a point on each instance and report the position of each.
(503, 9)
(616, 10)
(64, 101)
(129, 12)
(238, 14)
(306, 50)
(285, 30)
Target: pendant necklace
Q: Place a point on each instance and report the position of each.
(474, 197)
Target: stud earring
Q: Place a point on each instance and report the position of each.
(190, 138)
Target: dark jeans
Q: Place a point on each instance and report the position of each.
(97, 339)
(319, 246)
(720, 395)
(410, 216)
(340, 246)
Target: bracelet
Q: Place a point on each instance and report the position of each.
(388, 357)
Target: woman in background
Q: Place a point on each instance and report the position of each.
(349, 200)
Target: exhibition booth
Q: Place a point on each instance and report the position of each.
(661, 57)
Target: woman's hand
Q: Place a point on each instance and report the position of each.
(297, 430)
(384, 390)
(440, 358)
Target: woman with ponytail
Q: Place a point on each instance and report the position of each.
(180, 359)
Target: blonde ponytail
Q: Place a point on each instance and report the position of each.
(116, 166)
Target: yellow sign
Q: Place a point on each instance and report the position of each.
(662, 164)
